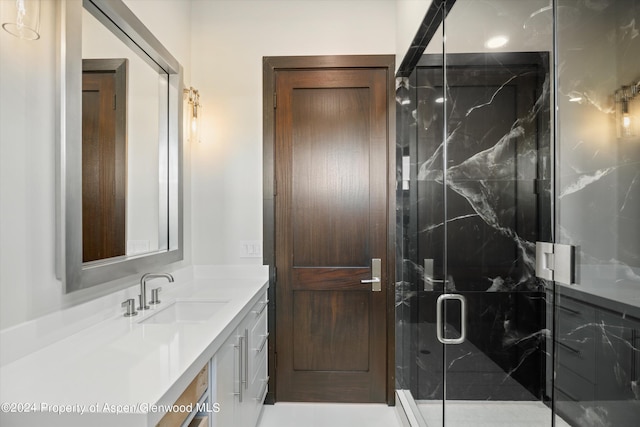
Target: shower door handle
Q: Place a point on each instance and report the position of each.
(463, 318)
(376, 274)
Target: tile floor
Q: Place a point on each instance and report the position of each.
(328, 415)
(462, 413)
(459, 414)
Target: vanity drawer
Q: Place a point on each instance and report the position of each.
(573, 387)
(578, 356)
(189, 396)
(258, 335)
(260, 381)
(576, 339)
(574, 315)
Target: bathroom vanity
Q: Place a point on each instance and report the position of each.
(199, 358)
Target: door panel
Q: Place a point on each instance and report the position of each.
(332, 331)
(331, 141)
(330, 176)
(103, 168)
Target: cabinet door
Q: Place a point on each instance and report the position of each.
(226, 366)
(253, 331)
(247, 412)
(240, 368)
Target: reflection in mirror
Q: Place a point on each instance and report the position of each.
(104, 158)
(120, 153)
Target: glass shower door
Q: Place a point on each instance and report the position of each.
(420, 124)
(474, 119)
(497, 206)
(481, 334)
(497, 203)
(483, 341)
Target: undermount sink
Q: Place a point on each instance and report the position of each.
(186, 311)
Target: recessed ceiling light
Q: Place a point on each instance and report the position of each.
(575, 99)
(496, 42)
(440, 100)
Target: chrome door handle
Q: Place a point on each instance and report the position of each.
(376, 273)
(463, 318)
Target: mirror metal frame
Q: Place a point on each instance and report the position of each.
(123, 23)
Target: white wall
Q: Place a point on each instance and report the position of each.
(230, 37)
(28, 286)
(471, 23)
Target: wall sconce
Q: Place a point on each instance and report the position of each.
(25, 18)
(194, 113)
(625, 120)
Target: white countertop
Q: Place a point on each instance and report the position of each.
(121, 364)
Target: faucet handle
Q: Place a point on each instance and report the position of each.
(141, 300)
(130, 305)
(154, 295)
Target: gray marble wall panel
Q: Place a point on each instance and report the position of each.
(599, 173)
(598, 211)
(497, 188)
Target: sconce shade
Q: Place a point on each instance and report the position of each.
(24, 16)
(625, 98)
(194, 113)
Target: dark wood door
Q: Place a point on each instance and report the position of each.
(331, 145)
(104, 154)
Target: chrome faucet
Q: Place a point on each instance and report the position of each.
(143, 287)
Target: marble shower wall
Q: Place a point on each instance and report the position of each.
(599, 173)
(598, 211)
(497, 205)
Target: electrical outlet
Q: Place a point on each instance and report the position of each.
(250, 249)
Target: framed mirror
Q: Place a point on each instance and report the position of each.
(120, 146)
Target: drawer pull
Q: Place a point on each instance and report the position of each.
(262, 344)
(568, 347)
(263, 392)
(245, 381)
(240, 346)
(264, 305)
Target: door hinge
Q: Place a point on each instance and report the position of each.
(114, 102)
(275, 100)
(555, 262)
